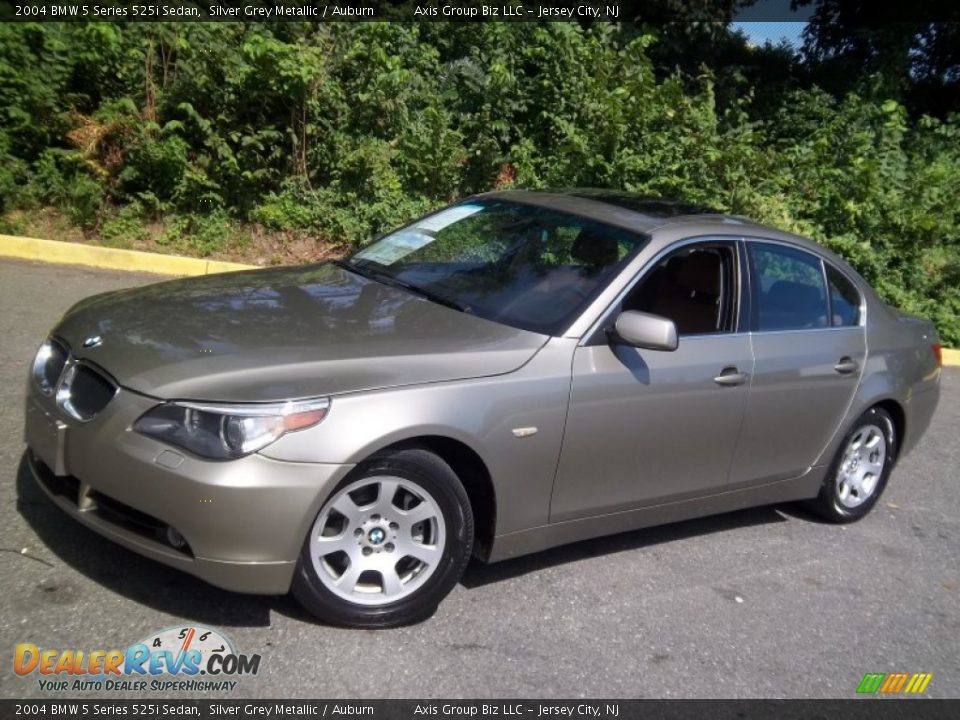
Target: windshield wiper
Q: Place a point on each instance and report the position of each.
(387, 279)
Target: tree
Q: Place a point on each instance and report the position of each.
(911, 50)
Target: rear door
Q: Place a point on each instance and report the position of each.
(648, 426)
(809, 348)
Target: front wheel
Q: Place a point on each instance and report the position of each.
(388, 544)
(860, 470)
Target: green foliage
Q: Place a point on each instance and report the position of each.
(345, 130)
(198, 235)
(60, 178)
(124, 228)
(13, 173)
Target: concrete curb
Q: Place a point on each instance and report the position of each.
(66, 253)
(53, 251)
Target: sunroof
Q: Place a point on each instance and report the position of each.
(652, 206)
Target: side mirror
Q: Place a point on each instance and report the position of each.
(647, 331)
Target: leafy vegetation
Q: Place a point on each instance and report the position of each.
(199, 136)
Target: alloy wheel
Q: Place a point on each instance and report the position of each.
(861, 466)
(377, 540)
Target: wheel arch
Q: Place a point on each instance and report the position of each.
(891, 405)
(470, 468)
(898, 414)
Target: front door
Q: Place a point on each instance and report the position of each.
(646, 427)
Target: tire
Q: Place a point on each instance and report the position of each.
(389, 543)
(859, 472)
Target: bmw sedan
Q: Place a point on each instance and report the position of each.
(514, 372)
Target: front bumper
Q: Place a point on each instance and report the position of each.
(243, 521)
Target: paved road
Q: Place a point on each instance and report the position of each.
(765, 602)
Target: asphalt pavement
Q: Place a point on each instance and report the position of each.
(766, 602)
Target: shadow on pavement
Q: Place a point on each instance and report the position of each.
(144, 581)
(479, 574)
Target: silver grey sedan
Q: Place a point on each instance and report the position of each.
(514, 372)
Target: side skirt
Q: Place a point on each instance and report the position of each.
(525, 542)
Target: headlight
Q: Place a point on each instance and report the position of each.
(225, 432)
(47, 366)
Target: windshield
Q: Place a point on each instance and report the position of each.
(529, 267)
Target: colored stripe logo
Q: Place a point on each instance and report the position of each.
(898, 683)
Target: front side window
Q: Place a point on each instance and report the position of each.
(844, 299)
(525, 266)
(788, 288)
(694, 287)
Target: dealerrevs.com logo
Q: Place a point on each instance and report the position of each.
(182, 658)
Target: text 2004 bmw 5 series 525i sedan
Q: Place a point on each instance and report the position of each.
(514, 372)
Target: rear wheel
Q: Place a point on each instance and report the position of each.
(859, 472)
(388, 544)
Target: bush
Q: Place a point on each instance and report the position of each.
(199, 235)
(345, 130)
(125, 228)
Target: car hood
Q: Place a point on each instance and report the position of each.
(285, 333)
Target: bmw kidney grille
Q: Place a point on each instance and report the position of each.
(82, 390)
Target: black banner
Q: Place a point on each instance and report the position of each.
(583, 11)
(862, 709)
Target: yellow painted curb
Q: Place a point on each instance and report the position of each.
(951, 357)
(66, 253)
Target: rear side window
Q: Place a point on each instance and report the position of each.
(788, 288)
(844, 299)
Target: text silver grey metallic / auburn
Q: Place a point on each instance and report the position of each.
(355, 431)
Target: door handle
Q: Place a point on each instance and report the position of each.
(846, 366)
(730, 376)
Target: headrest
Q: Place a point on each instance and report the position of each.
(788, 295)
(595, 249)
(700, 273)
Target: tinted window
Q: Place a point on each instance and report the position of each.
(693, 287)
(529, 267)
(789, 291)
(844, 299)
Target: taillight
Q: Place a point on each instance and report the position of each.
(938, 353)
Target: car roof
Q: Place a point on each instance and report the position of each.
(655, 207)
(645, 214)
(666, 221)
